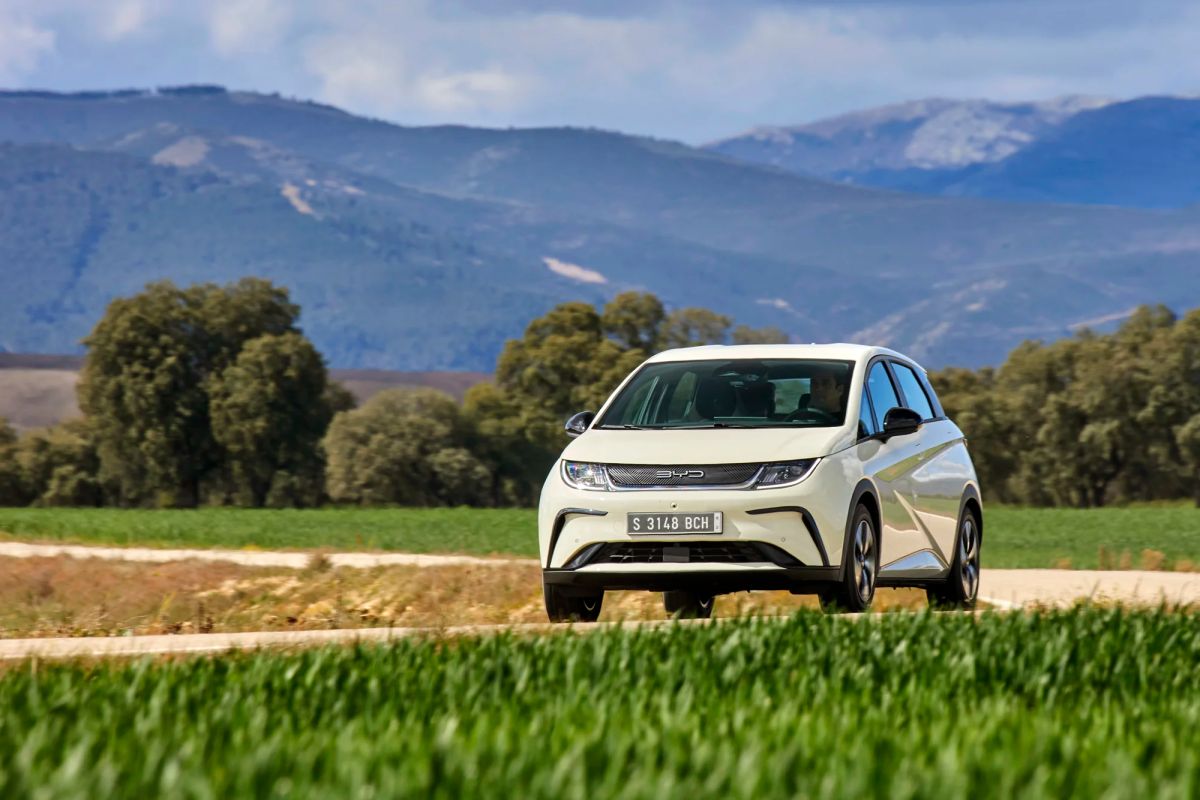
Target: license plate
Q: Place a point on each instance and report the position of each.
(658, 523)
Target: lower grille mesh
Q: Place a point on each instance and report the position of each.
(685, 552)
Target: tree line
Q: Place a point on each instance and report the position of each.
(1092, 420)
(212, 395)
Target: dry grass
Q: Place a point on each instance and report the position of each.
(36, 398)
(63, 596)
(1152, 560)
(38, 391)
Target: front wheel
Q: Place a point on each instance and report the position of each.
(961, 588)
(860, 567)
(562, 607)
(688, 605)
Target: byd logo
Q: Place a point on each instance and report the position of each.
(679, 473)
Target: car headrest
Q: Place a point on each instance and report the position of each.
(715, 398)
(758, 399)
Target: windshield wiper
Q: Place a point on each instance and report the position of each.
(630, 427)
(717, 425)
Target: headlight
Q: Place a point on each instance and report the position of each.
(785, 473)
(582, 475)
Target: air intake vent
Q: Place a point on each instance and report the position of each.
(683, 552)
(636, 476)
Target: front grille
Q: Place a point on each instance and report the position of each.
(634, 476)
(683, 552)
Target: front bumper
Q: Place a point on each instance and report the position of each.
(806, 522)
(701, 578)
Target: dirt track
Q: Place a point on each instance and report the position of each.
(1000, 589)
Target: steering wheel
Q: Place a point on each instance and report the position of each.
(814, 414)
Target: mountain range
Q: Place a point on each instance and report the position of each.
(1142, 153)
(424, 248)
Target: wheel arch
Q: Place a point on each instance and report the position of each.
(864, 494)
(972, 502)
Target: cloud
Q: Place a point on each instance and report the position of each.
(22, 46)
(122, 19)
(403, 59)
(689, 69)
(468, 91)
(243, 26)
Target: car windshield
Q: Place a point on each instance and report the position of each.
(769, 393)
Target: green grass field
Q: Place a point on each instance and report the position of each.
(1014, 537)
(1085, 703)
(413, 530)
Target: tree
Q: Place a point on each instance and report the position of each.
(632, 320)
(60, 465)
(150, 365)
(691, 327)
(562, 364)
(1087, 421)
(1188, 437)
(571, 359)
(744, 334)
(520, 464)
(270, 409)
(12, 489)
(405, 446)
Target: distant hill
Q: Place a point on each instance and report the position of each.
(922, 134)
(39, 390)
(1142, 153)
(424, 248)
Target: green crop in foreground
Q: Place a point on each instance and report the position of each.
(1014, 537)
(1082, 703)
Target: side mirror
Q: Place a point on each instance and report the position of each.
(578, 423)
(900, 422)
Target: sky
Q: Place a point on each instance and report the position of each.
(690, 70)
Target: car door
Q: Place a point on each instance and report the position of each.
(935, 486)
(889, 464)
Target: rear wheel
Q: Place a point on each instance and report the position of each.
(961, 588)
(688, 605)
(562, 607)
(859, 568)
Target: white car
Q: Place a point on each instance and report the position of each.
(826, 469)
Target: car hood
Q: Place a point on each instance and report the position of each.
(706, 445)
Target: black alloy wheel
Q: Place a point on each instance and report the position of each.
(961, 588)
(688, 605)
(860, 568)
(563, 607)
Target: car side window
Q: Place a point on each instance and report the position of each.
(883, 394)
(914, 393)
(866, 422)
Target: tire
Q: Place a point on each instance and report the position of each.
(688, 605)
(561, 607)
(961, 588)
(860, 568)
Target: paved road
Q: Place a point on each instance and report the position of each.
(247, 558)
(1014, 588)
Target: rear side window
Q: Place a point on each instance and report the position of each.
(883, 395)
(914, 392)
